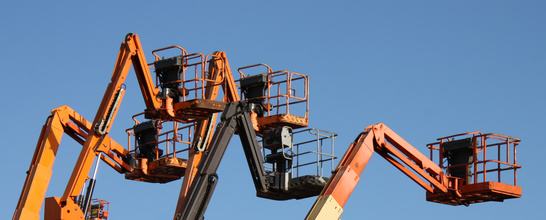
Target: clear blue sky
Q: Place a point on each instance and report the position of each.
(424, 68)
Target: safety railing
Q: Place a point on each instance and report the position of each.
(493, 156)
(195, 75)
(312, 152)
(171, 141)
(287, 92)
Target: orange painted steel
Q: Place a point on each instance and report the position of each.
(63, 120)
(436, 179)
(39, 173)
(132, 54)
(377, 138)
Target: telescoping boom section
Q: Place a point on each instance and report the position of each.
(469, 170)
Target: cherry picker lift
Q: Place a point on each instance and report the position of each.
(468, 171)
(185, 96)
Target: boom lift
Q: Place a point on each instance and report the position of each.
(185, 96)
(462, 178)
